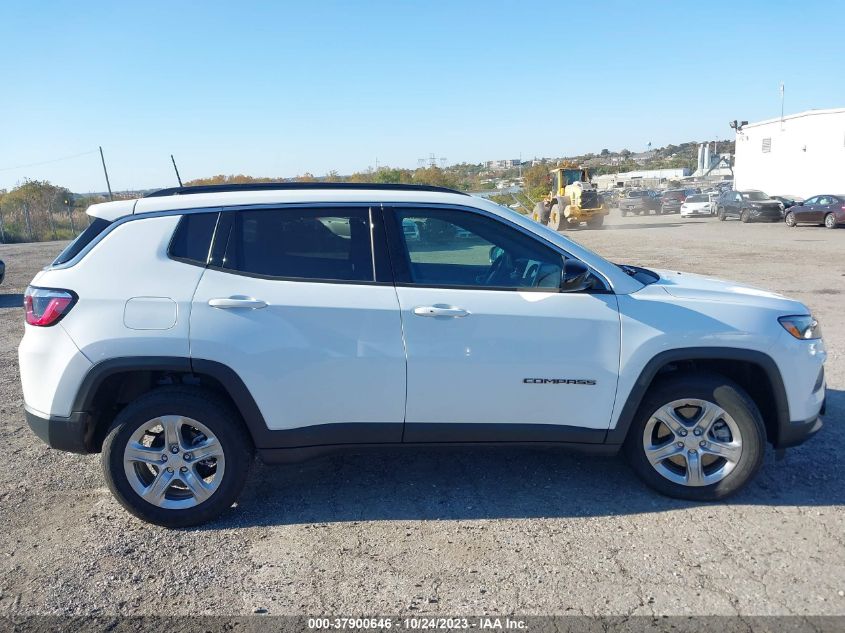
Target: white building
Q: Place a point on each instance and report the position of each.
(802, 154)
(640, 178)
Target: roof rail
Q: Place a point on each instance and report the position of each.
(286, 186)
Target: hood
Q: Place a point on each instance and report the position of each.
(699, 287)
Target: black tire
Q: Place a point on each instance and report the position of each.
(595, 222)
(722, 216)
(712, 388)
(789, 219)
(201, 405)
(744, 216)
(830, 221)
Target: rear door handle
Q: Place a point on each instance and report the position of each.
(440, 311)
(228, 303)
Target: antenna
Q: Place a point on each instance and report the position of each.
(105, 171)
(176, 169)
(442, 162)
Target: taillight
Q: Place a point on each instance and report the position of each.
(47, 306)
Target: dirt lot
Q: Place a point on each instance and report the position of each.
(454, 532)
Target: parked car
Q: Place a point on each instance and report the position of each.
(639, 202)
(698, 205)
(198, 330)
(671, 200)
(2, 271)
(788, 201)
(748, 206)
(828, 210)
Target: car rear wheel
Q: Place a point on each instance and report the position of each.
(830, 221)
(790, 220)
(697, 437)
(177, 457)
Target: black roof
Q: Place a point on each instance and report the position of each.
(286, 186)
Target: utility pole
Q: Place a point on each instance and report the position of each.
(176, 169)
(2, 231)
(782, 89)
(28, 221)
(105, 171)
(70, 215)
(52, 223)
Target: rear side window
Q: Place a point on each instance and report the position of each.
(306, 244)
(97, 226)
(192, 238)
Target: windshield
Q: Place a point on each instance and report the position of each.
(636, 194)
(754, 195)
(698, 199)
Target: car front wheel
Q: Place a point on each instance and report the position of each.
(697, 437)
(789, 220)
(177, 456)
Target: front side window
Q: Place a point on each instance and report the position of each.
(454, 248)
(307, 244)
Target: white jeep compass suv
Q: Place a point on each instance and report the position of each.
(184, 332)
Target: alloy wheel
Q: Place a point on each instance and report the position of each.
(790, 219)
(692, 442)
(174, 462)
(830, 221)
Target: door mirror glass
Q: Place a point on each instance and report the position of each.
(575, 276)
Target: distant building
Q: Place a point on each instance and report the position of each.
(801, 154)
(502, 164)
(640, 178)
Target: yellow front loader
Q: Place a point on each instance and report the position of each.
(572, 200)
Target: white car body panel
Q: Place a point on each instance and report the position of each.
(690, 209)
(319, 353)
(472, 369)
(109, 279)
(52, 368)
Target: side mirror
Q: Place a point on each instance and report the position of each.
(575, 276)
(495, 253)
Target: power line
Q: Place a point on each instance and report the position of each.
(47, 162)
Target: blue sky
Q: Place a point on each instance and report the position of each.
(278, 89)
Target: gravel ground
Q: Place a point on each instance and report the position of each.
(453, 531)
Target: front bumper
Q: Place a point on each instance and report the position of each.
(64, 434)
(796, 433)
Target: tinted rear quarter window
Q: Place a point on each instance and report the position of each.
(97, 226)
(192, 238)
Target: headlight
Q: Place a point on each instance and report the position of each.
(801, 327)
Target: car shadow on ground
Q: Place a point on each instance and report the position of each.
(11, 301)
(445, 484)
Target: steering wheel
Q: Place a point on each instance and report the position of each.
(501, 269)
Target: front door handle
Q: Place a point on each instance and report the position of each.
(440, 311)
(237, 302)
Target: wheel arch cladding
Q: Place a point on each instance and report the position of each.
(754, 371)
(121, 379)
